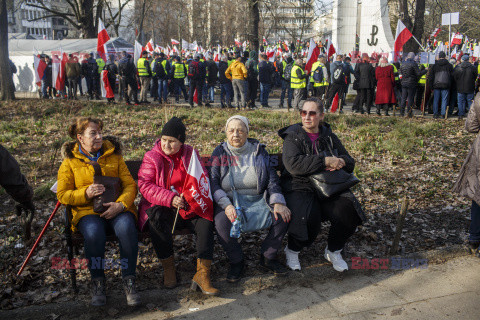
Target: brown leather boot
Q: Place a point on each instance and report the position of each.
(169, 274)
(201, 279)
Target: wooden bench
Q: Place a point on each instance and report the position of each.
(75, 239)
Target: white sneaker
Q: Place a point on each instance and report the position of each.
(292, 259)
(336, 259)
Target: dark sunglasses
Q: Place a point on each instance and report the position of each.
(310, 113)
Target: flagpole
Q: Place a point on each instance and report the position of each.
(418, 43)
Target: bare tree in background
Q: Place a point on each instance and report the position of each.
(115, 14)
(81, 14)
(412, 14)
(7, 91)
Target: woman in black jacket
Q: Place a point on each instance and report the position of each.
(303, 155)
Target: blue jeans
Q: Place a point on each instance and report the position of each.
(286, 89)
(44, 88)
(464, 102)
(475, 223)
(437, 94)
(226, 93)
(162, 89)
(264, 93)
(94, 231)
(180, 85)
(208, 92)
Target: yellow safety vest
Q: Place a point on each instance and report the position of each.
(423, 79)
(152, 65)
(142, 69)
(179, 70)
(100, 64)
(230, 62)
(295, 81)
(325, 80)
(395, 72)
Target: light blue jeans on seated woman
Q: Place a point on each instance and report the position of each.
(94, 230)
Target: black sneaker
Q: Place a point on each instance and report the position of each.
(272, 265)
(236, 271)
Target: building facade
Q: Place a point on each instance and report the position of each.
(25, 18)
(288, 19)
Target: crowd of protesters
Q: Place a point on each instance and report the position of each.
(241, 79)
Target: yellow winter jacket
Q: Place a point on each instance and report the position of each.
(236, 70)
(76, 174)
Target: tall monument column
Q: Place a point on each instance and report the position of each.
(344, 25)
(375, 32)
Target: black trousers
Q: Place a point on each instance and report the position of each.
(196, 84)
(419, 97)
(332, 91)
(339, 210)
(407, 94)
(161, 232)
(319, 91)
(365, 98)
(252, 92)
(128, 82)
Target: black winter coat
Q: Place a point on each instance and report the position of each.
(212, 71)
(465, 75)
(365, 73)
(222, 67)
(12, 179)
(265, 72)
(410, 73)
(300, 159)
(440, 66)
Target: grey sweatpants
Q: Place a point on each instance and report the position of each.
(239, 89)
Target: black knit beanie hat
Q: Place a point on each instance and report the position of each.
(174, 128)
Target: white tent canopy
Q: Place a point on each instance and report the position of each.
(21, 52)
(24, 47)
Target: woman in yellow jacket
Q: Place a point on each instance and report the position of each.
(237, 73)
(76, 188)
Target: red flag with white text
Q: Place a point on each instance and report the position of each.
(196, 190)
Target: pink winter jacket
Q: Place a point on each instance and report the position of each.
(153, 180)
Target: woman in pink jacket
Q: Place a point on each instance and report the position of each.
(161, 181)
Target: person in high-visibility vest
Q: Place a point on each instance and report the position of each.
(421, 86)
(319, 87)
(162, 71)
(298, 82)
(179, 74)
(145, 75)
(154, 83)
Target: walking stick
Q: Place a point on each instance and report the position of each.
(39, 237)
(175, 222)
(178, 209)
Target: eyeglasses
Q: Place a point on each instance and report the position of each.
(304, 113)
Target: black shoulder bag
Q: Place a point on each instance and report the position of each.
(330, 183)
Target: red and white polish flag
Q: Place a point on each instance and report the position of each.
(313, 53)
(174, 42)
(401, 37)
(150, 46)
(102, 40)
(39, 66)
(196, 189)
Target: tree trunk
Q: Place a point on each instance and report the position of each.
(209, 23)
(86, 21)
(415, 26)
(191, 16)
(6, 81)
(254, 17)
